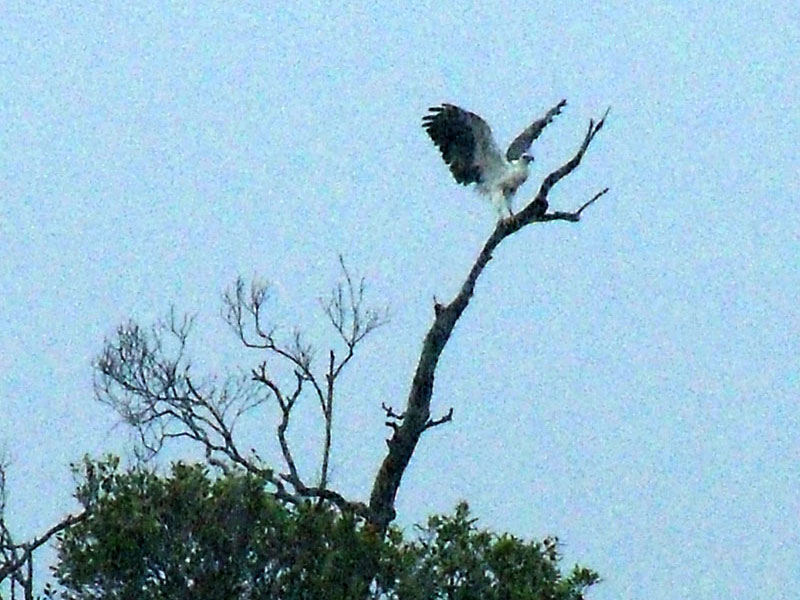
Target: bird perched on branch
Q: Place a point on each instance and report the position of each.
(468, 147)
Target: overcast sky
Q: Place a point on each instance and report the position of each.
(629, 383)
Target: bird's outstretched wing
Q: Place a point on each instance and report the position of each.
(465, 141)
(524, 140)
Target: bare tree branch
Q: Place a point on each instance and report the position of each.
(537, 207)
(390, 414)
(12, 556)
(416, 418)
(351, 319)
(392, 418)
(445, 419)
(145, 376)
(573, 216)
(286, 404)
(327, 414)
(346, 312)
(5, 462)
(15, 556)
(28, 548)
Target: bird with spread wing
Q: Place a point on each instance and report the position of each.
(468, 147)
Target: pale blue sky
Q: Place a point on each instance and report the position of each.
(629, 383)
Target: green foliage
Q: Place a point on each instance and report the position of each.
(191, 535)
(455, 560)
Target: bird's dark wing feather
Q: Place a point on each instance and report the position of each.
(465, 141)
(524, 140)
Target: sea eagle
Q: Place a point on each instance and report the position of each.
(467, 145)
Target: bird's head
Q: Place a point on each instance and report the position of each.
(527, 158)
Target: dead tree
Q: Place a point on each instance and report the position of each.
(146, 377)
(416, 418)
